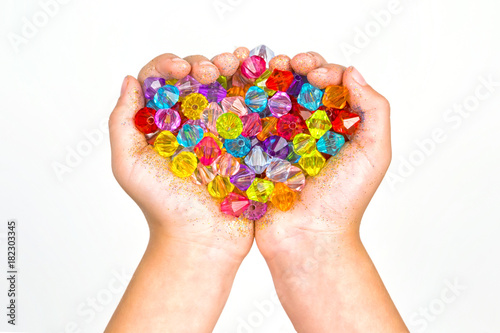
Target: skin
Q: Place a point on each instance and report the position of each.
(322, 273)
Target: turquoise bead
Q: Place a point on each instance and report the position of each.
(190, 135)
(330, 143)
(310, 97)
(166, 97)
(238, 147)
(256, 99)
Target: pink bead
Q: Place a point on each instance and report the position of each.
(207, 150)
(234, 204)
(253, 67)
(252, 124)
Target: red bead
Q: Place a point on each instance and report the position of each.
(290, 125)
(345, 122)
(279, 80)
(145, 120)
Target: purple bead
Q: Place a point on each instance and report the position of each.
(188, 85)
(167, 119)
(256, 142)
(243, 178)
(151, 86)
(296, 86)
(280, 104)
(197, 122)
(255, 210)
(276, 146)
(214, 92)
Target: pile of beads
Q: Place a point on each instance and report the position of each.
(251, 139)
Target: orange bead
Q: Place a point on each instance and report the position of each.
(335, 97)
(236, 91)
(282, 197)
(268, 128)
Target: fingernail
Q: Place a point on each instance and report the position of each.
(358, 77)
(124, 85)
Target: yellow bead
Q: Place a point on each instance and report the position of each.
(260, 190)
(184, 164)
(171, 82)
(166, 144)
(312, 163)
(303, 144)
(220, 187)
(318, 124)
(193, 105)
(335, 97)
(282, 197)
(229, 125)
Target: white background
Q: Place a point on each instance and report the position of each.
(435, 226)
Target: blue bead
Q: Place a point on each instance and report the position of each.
(151, 104)
(330, 143)
(238, 147)
(190, 135)
(292, 157)
(166, 97)
(256, 99)
(310, 97)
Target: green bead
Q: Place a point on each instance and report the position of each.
(223, 81)
(304, 144)
(261, 83)
(166, 144)
(260, 190)
(318, 124)
(312, 163)
(184, 164)
(229, 125)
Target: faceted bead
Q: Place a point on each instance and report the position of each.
(145, 120)
(238, 147)
(282, 197)
(166, 97)
(172, 82)
(188, 85)
(296, 85)
(214, 92)
(207, 150)
(265, 113)
(226, 165)
(318, 124)
(166, 144)
(184, 164)
(261, 83)
(190, 135)
(268, 128)
(253, 67)
(260, 190)
(262, 51)
(203, 174)
(223, 81)
(234, 204)
(290, 125)
(292, 157)
(256, 99)
(312, 163)
(280, 104)
(151, 86)
(251, 124)
(193, 105)
(310, 97)
(304, 144)
(167, 119)
(299, 110)
(239, 80)
(220, 187)
(296, 179)
(243, 178)
(280, 80)
(346, 122)
(277, 171)
(257, 159)
(330, 143)
(229, 126)
(335, 97)
(256, 142)
(236, 91)
(276, 146)
(151, 104)
(209, 117)
(255, 210)
(215, 137)
(235, 104)
(196, 122)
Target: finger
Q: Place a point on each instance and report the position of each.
(168, 66)
(280, 62)
(241, 53)
(126, 140)
(227, 63)
(326, 75)
(373, 109)
(303, 63)
(203, 70)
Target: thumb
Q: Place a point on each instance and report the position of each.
(125, 139)
(374, 111)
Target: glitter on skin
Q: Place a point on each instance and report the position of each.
(281, 62)
(241, 53)
(303, 63)
(227, 63)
